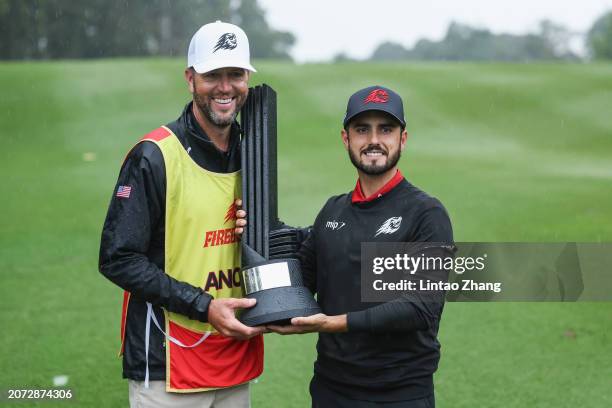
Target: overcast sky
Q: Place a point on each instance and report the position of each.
(326, 27)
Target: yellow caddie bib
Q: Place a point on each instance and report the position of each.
(201, 249)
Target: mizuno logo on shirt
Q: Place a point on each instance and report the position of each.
(389, 226)
(334, 225)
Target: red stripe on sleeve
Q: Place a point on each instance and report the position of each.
(158, 134)
(124, 309)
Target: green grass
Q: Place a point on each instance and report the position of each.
(515, 152)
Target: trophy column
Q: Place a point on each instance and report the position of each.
(275, 283)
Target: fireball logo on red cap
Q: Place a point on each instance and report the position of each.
(376, 96)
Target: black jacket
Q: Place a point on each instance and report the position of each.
(390, 350)
(132, 245)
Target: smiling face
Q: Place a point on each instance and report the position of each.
(219, 94)
(374, 141)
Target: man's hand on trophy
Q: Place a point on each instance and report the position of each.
(222, 315)
(316, 323)
(241, 221)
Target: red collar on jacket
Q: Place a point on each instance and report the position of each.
(358, 196)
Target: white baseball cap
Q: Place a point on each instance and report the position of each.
(219, 45)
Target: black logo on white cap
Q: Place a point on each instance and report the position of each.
(227, 42)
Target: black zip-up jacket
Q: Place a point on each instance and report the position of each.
(390, 350)
(132, 245)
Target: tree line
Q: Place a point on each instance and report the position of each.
(463, 42)
(48, 29)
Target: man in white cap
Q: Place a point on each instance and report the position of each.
(169, 240)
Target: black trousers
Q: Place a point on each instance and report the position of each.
(324, 397)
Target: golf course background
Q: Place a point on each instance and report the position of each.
(515, 152)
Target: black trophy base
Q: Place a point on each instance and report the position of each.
(278, 305)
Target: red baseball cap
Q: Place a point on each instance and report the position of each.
(377, 98)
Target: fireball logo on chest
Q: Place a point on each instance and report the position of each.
(389, 226)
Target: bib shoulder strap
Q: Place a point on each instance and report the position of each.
(157, 135)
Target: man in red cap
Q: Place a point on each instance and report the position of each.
(371, 354)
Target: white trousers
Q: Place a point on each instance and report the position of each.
(156, 397)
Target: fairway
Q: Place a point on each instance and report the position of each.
(516, 152)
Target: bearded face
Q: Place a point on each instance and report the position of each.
(213, 109)
(220, 94)
(374, 141)
(374, 159)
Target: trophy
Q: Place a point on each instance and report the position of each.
(268, 274)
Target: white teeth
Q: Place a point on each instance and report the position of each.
(374, 154)
(223, 101)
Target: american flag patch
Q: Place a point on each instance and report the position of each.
(124, 191)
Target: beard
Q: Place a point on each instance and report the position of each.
(374, 169)
(203, 105)
(213, 117)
